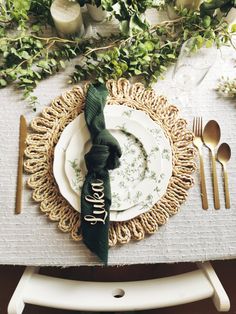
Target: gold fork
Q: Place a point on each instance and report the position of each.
(198, 143)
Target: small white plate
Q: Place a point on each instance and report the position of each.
(140, 162)
(162, 177)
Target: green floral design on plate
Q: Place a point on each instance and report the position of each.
(79, 177)
(165, 154)
(127, 113)
(156, 133)
(133, 167)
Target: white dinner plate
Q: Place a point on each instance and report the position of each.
(140, 162)
(162, 177)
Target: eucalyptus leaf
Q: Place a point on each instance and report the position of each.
(233, 28)
(209, 7)
(3, 82)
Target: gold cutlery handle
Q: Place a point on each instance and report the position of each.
(22, 139)
(226, 186)
(203, 184)
(215, 182)
(19, 185)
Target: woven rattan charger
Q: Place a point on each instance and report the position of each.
(47, 129)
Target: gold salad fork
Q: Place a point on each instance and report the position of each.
(198, 143)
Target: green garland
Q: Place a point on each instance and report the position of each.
(27, 56)
(149, 53)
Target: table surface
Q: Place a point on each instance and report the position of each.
(191, 235)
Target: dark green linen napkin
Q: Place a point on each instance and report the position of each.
(96, 192)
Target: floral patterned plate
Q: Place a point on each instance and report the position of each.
(140, 162)
(162, 177)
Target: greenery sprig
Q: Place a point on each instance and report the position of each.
(209, 7)
(227, 87)
(148, 53)
(129, 13)
(27, 55)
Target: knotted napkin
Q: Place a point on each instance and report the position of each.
(96, 192)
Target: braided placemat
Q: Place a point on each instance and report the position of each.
(47, 129)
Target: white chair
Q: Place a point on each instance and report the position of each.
(42, 290)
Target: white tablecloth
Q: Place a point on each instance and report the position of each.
(191, 235)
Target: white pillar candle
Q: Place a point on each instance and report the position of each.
(96, 13)
(189, 4)
(67, 17)
(231, 17)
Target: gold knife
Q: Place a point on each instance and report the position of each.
(22, 145)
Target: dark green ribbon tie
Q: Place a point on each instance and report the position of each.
(103, 156)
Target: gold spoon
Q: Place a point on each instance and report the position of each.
(211, 138)
(223, 156)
